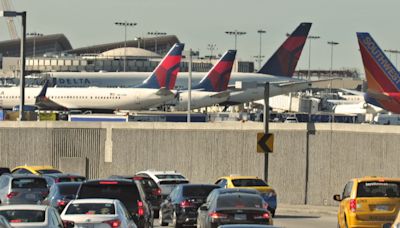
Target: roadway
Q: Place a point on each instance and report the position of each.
(299, 220)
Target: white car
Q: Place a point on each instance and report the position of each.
(4, 222)
(166, 180)
(38, 216)
(97, 213)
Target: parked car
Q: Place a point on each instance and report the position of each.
(37, 170)
(180, 207)
(4, 222)
(369, 202)
(233, 207)
(61, 193)
(96, 212)
(150, 188)
(22, 189)
(25, 216)
(166, 180)
(62, 177)
(125, 191)
(251, 182)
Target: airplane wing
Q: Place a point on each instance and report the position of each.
(43, 102)
(354, 92)
(164, 92)
(221, 94)
(322, 82)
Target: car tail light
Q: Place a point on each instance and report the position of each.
(12, 194)
(353, 205)
(157, 191)
(61, 203)
(45, 193)
(137, 178)
(140, 208)
(216, 215)
(186, 203)
(108, 182)
(57, 180)
(262, 216)
(113, 223)
(68, 224)
(15, 220)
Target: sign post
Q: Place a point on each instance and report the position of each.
(266, 127)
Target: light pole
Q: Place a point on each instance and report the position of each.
(332, 43)
(22, 56)
(156, 34)
(392, 51)
(258, 60)
(34, 35)
(236, 33)
(125, 24)
(259, 53)
(211, 48)
(309, 55)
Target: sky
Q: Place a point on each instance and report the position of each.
(198, 23)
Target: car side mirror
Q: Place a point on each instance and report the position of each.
(337, 197)
(203, 207)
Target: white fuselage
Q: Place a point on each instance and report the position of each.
(199, 99)
(88, 98)
(130, 79)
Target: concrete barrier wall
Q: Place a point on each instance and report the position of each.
(309, 164)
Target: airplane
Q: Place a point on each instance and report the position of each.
(245, 87)
(155, 90)
(212, 89)
(383, 79)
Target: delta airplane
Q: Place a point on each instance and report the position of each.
(154, 91)
(383, 79)
(212, 89)
(278, 70)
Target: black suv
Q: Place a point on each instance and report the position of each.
(124, 190)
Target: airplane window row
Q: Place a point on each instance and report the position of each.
(63, 97)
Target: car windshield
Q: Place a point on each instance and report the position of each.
(249, 182)
(239, 201)
(170, 176)
(378, 189)
(90, 209)
(197, 191)
(128, 194)
(29, 183)
(47, 171)
(69, 189)
(18, 216)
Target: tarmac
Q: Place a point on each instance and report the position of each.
(307, 209)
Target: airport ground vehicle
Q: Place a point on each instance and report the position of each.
(62, 177)
(233, 207)
(166, 180)
(61, 193)
(31, 216)
(150, 188)
(252, 182)
(37, 170)
(180, 207)
(96, 212)
(369, 202)
(125, 191)
(22, 189)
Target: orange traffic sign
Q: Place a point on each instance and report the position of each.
(265, 143)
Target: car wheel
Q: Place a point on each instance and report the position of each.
(160, 219)
(175, 221)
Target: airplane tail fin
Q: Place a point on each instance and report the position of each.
(218, 77)
(381, 74)
(167, 70)
(284, 61)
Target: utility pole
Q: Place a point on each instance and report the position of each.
(259, 53)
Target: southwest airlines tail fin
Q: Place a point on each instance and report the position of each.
(383, 79)
(381, 74)
(217, 78)
(284, 61)
(164, 76)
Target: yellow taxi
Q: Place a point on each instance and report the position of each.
(369, 202)
(37, 170)
(252, 182)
